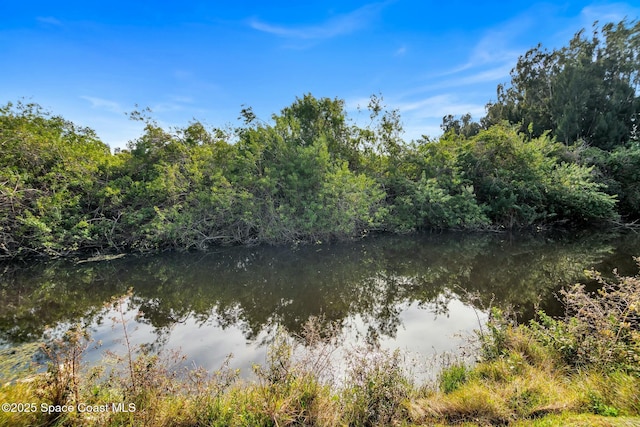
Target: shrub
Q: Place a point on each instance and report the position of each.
(600, 329)
(64, 364)
(378, 388)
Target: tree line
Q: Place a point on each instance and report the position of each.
(559, 146)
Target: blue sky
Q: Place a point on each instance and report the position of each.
(92, 62)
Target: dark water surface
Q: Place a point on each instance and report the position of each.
(415, 293)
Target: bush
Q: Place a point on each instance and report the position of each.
(378, 388)
(600, 330)
(524, 182)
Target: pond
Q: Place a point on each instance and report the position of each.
(423, 294)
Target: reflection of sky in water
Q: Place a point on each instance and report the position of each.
(205, 345)
(421, 336)
(406, 292)
(425, 333)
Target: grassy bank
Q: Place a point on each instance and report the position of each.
(582, 369)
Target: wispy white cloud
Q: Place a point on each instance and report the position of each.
(614, 12)
(435, 106)
(489, 61)
(497, 44)
(438, 106)
(419, 129)
(336, 26)
(104, 104)
(483, 76)
(49, 20)
(401, 51)
(497, 47)
(499, 74)
(501, 46)
(420, 116)
(425, 116)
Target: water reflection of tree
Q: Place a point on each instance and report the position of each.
(47, 294)
(258, 289)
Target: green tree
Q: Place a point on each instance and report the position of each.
(50, 171)
(523, 181)
(173, 190)
(310, 118)
(464, 126)
(584, 91)
(299, 176)
(428, 189)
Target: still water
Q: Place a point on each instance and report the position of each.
(422, 294)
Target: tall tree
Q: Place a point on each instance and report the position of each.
(584, 91)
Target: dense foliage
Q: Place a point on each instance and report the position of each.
(585, 91)
(51, 176)
(584, 95)
(311, 175)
